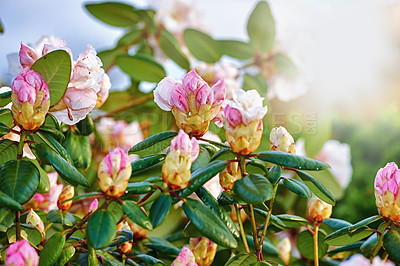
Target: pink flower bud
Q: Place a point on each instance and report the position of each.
(35, 220)
(20, 253)
(93, 205)
(63, 202)
(163, 93)
(176, 167)
(30, 98)
(114, 173)
(203, 250)
(281, 140)
(233, 116)
(318, 210)
(219, 92)
(204, 95)
(27, 55)
(185, 258)
(387, 182)
(192, 82)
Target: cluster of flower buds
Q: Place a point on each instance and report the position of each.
(192, 102)
(125, 247)
(20, 253)
(88, 87)
(203, 250)
(318, 210)
(34, 219)
(185, 258)
(30, 97)
(114, 172)
(63, 202)
(281, 140)
(243, 121)
(176, 167)
(387, 183)
(229, 175)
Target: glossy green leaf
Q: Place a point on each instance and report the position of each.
(85, 126)
(306, 246)
(391, 242)
(319, 190)
(297, 187)
(171, 48)
(274, 220)
(8, 151)
(5, 98)
(44, 182)
(116, 210)
(114, 13)
(191, 231)
(6, 116)
(101, 229)
(253, 189)
(354, 247)
(336, 223)
(30, 233)
(13, 174)
(63, 168)
(55, 68)
(256, 166)
(218, 144)
(162, 246)
(202, 46)
(201, 176)
(275, 172)
(79, 148)
(261, 27)
(10, 202)
(4, 129)
(52, 250)
(208, 199)
(202, 159)
(292, 160)
(160, 209)
(242, 259)
(7, 217)
(344, 236)
(237, 49)
(58, 216)
(267, 246)
(141, 67)
(224, 155)
(107, 258)
(139, 188)
(45, 138)
(257, 82)
(292, 221)
(51, 121)
(368, 245)
(153, 144)
(66, 255)
(228, 198)
(208, 223)
(147, 162)
(55, 133)
(137, 215)
(149, 260)
(123, 235)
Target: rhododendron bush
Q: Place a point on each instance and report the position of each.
(191, 172)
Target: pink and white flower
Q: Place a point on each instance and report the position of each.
(21, 253)
(185, 258)
(281, 140)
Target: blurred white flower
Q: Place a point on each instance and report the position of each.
(360, 260)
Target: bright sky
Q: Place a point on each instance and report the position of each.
(344, 44)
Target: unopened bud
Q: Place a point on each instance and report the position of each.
(34, 219)
(203, 250)
(318, 210)
(229, 175)
(185, 258)
(281, 140)
(63, 202)
(93, 205)
(21, 253)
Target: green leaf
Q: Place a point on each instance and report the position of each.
(223, 155)
(101, 229)
(344, 236)
(202, 159)
(10, 202)
(107, 57)
(160, 209)
(364, 222)
(51, 121)
(55, 68)
(5, 98)
(1, 28)
(85, 126)
(58, 216)
(257, 82)
(292, 160)
(285, 65)
(201, 176)
(52, 250)
(29, 232)
(297, 187)
(274, 220)
(355, 247)
(191, 231)
(163, 246)
(261, 27)
(306, 246)
(336, 223)
(253, 189)
(237, 49)
(66, 254)
(114, 13)
(8, 151)
(391, 242)
(202, 46)
(368, 245)
(123, 235)
(208, 199)
(256, 166)
(79, 148)
(149, 259)
(116, 210)
(44, 182)
(47, 139)
(267, 246)
(147, 162)
(141, 67)
(137, 215)
(63, 168)
(292, 221)
(153, 144)
(16, 172)
(242, 259)
(208, 223)
(131, 38)
(171, 48)
(319, 190)
(6, 116)
(139, 188)
(275, 172)
(228, 198)
(7, 218)
(55, 133)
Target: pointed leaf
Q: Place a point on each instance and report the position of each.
(123, 235)
(52, 250)
(343, 236)
(160, 209)
(153, 144)
(66, 254)
(336, 223)
(292, 160)
(306, 247)
(242, 259)
(147, 162)
(297, 187)
(5, 98)
(171, 48)
(202, 46)
(223, 155)
(44, 182)
(8, 151)
(292, 221)
(237, 49)
(79, 148)
(10, 202)
(208, 223)
(253, 189)
(202, 159)
(261, 27)
(16, 172)
(58, 216)
(319, 190)
(391, 242)
(141, 67)
(101, 229)
(114, 14)
(139, 188)
(163, 246)
(137, 215)
(4, 129)
(6, 116)
(55, 68)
